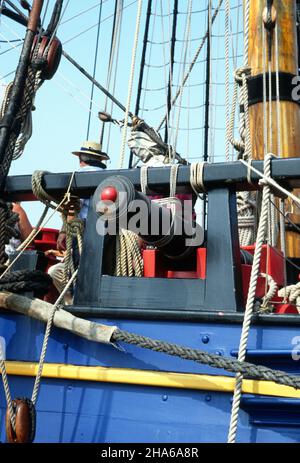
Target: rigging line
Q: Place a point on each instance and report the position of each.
(207, 96)
(95, 25)
(56, 82)
(143, 57)
(150, 55)
(227, 77)
(11, 41)
(69, 93)
(88, 76)
(78, 89)
(142, 68)
(9, 49)
(95, 68)
(194, 61)
(172, 57)
(11, 44)
(82, 13)
(115, 62)
(114, 42)
(278, 108)
(164, 58)
(130, 84)
(57, 25)
(7, 75)
(187, 35)
(286, 217)
(188, 138)
(264, 90)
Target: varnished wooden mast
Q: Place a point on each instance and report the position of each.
(285, 11)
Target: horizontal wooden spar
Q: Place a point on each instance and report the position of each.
(41, 310)
(148, 378)
(218, 175)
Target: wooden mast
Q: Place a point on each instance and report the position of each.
(284, 13)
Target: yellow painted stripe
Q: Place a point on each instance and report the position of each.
(150, 378)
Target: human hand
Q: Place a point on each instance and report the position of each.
(61, 242)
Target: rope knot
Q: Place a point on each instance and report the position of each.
(241, 73)
(75, 227)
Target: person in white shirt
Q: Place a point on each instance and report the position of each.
(91, 159)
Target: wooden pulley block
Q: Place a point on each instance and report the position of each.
(53, 58)
(270, 17)
(25, 422)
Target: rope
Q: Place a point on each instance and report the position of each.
(250, 302)
(173, 179)
(187, 39)
(270, 181)
(197, 177)
(47, 336)
(130, 84)
(227, 77)
(193, 62)
(24, 280)
(94, 71)
(73, 229)
(129, 261)
(246, 201)
(144, 178)
(215, 361)
(246, 206)
(292, 294)
(36, 180)
(265, 306)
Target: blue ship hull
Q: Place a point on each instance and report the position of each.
(73, 410)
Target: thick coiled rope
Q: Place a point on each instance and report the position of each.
(129, 260)
(74, 229)
(247, 370)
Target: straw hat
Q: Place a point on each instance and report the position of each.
(92, 149)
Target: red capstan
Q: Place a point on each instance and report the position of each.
(109, 194)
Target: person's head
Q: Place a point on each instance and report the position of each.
(91, 154)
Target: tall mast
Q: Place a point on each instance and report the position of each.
(273, 47)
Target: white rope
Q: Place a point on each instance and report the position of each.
(183, 59)
(144, 178)
(283, 240)
(227, 76)
(272, 290)
(47, 336)
(168, 79)
(292, 294)
(173, 179)
(197, 177)
(130, 85)
(119, 25)
(250, 302)
(273, 183)
(129, 261)
(279, 153)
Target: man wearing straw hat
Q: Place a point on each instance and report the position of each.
(91, 159)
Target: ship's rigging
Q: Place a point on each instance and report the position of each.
(176, 90)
